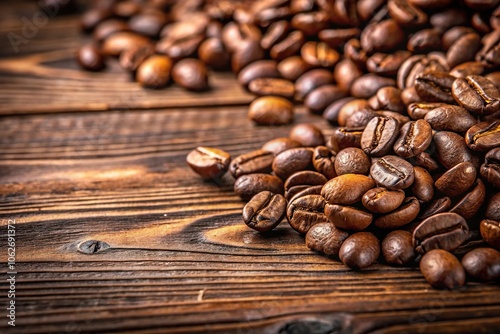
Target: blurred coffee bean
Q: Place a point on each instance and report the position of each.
(425, 40)
(493, 208)
(274, 34)
(448, 18)
(247, 52)
(132, 58)
(344, 137)
(319, 54)
(490, 52)
(418, 110)
(90, 57)
(386, 64)
(258, 69)
(148, 23)
(345, 73)
(404, 13)
(467, 68)
(107, 28)
(154, 72)
(272, 86)
(337, 37)
(381, 36)
(288, 46)
(258, 161)
(331, 112)
(318, 99)
(271, 110)
(213, 53)
(311, 80)
(464, 49)
(280, 144)
(310, 23)
(115, 44)
(191, 74)
(293, 67)
(418, 64)
(307, 135)
(367, 85)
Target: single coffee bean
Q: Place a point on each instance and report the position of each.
(469, 205)
(366, 9)
(354, 52)
(420, 109)
(439, 205)
(234, 34)
(425, 40)
(348, 218)
(448, 18)
(453, 34)
(360, 118)
(397, 248)
(305, 212)
(443, 230)
(288, 46)
(441, 269)
(381, 200)
(208, 162)
(343, 12)
(269, 14)
(107, 28)
(403, 215)
(274, 34)
(93, 17)
(293, 67)
(213, 53)
(367, 85)
(302, 180)
(258, 69)
(490, 170)
(264, 211)
(348, 109)
(386, 64)
(425, 160)
(490, 53)
(347, 188)
(313, 190)
(451, 149)
(345, 73)
(490, 231)
(154, 72)
(450, 118)
(259, 161)
(483, 264)
(483, 136)
(414, 138)
(278, 145)
(178, 49)
(457, 180)
(90, 58)
(477, 94)
(271, 110)
(310, 23)
(345, 137)
(247, 186)
(352, 160)
(360, 250)
(300, 6)
(335, 38)
(468, 68)
(404, 13)
(401, 119)
(320, 98)
(409, 95)
(115, 44)
(323, 161)
(392, 172)
(126, 9)
(381, 36)
(308, 135)
(191, 74)
(379, 136)
(389, 98)
(272, 86)
(319, 54)
(311, 80)
(435, 86)
(493, 208)
(464, 49)
(148, 23)
(418, 64)
(291, 161)
(132, 58)
(325, 238)
(246, 53)
(423, 186)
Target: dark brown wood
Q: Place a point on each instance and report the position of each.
(115, 234)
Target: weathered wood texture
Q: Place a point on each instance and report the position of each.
(115, 234)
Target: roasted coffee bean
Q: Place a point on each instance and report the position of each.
(344, 13)
(304, 212)
(477, 94)
(265, 16)
(493, 208)
(325, 238)
(234, 34)
(406, 14)
(349, 109)
(108, 28)
(441, 269)
(272, 86)
(258, 69)
(345, 73)
(258, 161)
(92, 17)
(274, 34)
(490, 231)
(115, 44)
(323, 161)
(311, 80)
(403, 215)
(443, 230)
(302, 180)
(367, 85)
(418, 110)
(367, 8)
(154, 72)
(208, 162)
(482, 4)
(448, 18)
(246, 53)
(247, 186)
(90, 58)
(352, 160)
(389, 98)
(386, 64)
(453, 34)
(409, 96)
(308, 135)
(360, 250)
(148, 23)
(264, 211)
(271, 110)
(288, 46)
(381, 36)
(423, 186)
(132, 58)
(181, 48)
(310, 23)
(291, 161)
(319, 54)
(331, 113)
(418, 64)
(126, 9)
(457, 180)
(343, 138)
(425, 160)
(469, 205)
(293, 67)
(468, 68)
(392, 172)
(490, 169)
(464, 49)
(451, 149)
(414, 138)
(299, 6)
(354, 52)
(437, 206)
(191, 74)
(278, 145)
(483, 264)
(480, 22)
(313, 190)
(360, 118)
(490, 53)
(483, 136)
(348, 218)
(401, 119)
(425, 40)
(379, 136)
(213, 53)
(347, 188)
(318, 99)
(397, 248)
(435, 87)
(381, 200)
(450, 118)
(337, 37)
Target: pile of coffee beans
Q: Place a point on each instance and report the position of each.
(411, 173)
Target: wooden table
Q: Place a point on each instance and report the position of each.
(115, 234)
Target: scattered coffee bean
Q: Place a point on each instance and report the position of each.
(441, 269)
(90, 58)
(482, 264)
(154, 72)
(247, 186)
(457, 180)
(264, 211)
(259, 161)
(307, 135)
(403, 215)
(272, 86)
(209, 163)
(278, 145)
(360, 250)
(397, 248)
(271, 110)
(291, 161)
(191, 74)
(302, 180)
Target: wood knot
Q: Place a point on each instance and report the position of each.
(313, 326)
(93, 247)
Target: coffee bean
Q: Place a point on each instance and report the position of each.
(493, 208)
(337, 37)
(360, 118)
(490, 231)
(347, 188)
(332, 111)
(490, 53)
(278, 145)
(293, 67)
(420, 109)
(441, 269)
(107, 28)
(148, 23)
(435, 86)
(483, 264)
(379, 136)
(425, 40)
(291, 161)
(425, 160)
(90, 58)
(450, 118)
(397, 248)
(258, 161)
(132, 58)
(305, 212)
(418, 64)
(258, 69)
(345, 73)
(325, 238)
(457, 180)
(368, 8)
(319, 54)
(360, 250)
(208, 162)
(154, 72)
(311, 80)
(483, 136)
(213, 53)
(406, 14)
(323, 161)
(271, 110)
(344, 137)
(115, 44)
(310, 23)
(448, 18)
(389, 98)
(443, 230)
(288, 46)
(401, 119)
(352, 160)
(348, 218)
(247, 186)
(348, 109)
(307, 135)
(423, 186)
(464, 49)
(264, 211)
(318, 99)
(367, 85)
(302, 180)
(469, 205)
(354, 52)
(246, 53)
(274, 34)
(392, 172)
(271, 86)
(409, 95)
(313, 190)
(451, 149)
(234, 34)
(477, 94)
(381, 36)
(414, 138)
(437, 206)
(490, 169)
(403, 215)
(93, 17)
(468, 68)
(381, 200)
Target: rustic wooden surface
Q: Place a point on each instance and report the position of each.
(115, 234)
